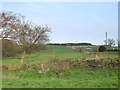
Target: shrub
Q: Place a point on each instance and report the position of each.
(102, 49)
(80, 49)
(31, 49)
(34, 48)
(95, 49)
(42, 47)
(9, 48)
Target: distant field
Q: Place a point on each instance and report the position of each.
(44, 55)
(74, 77)
(57, 52)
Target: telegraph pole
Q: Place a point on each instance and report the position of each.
(106, 38)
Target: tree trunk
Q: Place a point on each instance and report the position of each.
(23, 54)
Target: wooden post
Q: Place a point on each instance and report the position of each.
(42, 68)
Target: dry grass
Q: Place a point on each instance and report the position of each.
(62, 65)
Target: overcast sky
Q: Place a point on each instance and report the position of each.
(72, 21)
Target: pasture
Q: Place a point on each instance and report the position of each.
(59, 74)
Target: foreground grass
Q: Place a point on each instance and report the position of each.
(72, 78)
(75, 77)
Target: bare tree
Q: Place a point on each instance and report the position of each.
(9, 22)
(23, 32)
(111, 42)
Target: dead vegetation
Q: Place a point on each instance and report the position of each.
(56, 68)
(65, 64)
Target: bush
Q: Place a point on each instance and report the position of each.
(80, 49)
(34, 48)
(102, 49)
(95, 49)
(9, 48)
(42, 47)
(31, 49)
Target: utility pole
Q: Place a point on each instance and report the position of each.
(106, 38)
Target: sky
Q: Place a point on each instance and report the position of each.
(81, 22)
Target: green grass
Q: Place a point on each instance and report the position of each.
(57, 52)
(72, 78)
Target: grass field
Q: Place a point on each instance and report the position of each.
(74, 77)
(56, 52)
